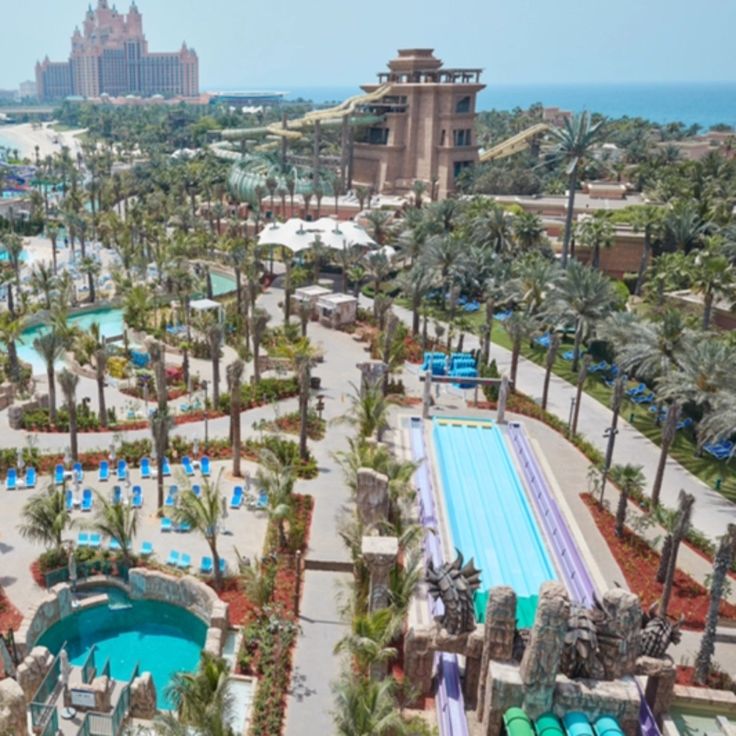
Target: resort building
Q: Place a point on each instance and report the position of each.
(427, 128)
(110, 56)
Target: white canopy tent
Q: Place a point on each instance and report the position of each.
(298, 235)
(198, 306)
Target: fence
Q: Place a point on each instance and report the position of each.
(52, 724)
(88, 668)
(84, 570)
(43, 705)
(102, 724)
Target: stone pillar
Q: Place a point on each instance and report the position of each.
(419, 661)
(427, 396)
(473, 667)
(503, 393)
(541, 661)
(379, 554)
(620, 642)
(143, 697)
(660, 690)
(498, 635)
(371, 496)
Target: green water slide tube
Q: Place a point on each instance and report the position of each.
(548, 724)
(517, 723)
(577, 724)
(607, 726)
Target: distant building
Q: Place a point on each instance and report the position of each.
(425, 129)
(110, 57)
(27, 90)
(8, 95)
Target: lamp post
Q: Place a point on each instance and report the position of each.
(206, 422)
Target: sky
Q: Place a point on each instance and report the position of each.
(244, 44)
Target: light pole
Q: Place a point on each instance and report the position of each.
(206, 422)
(612, 431)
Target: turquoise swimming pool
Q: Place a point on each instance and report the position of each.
(161, 638)
(110, 321)
(222, 284)
(489, 515)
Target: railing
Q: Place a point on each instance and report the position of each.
(106, 669)
(103, 724)
(88, 668)
(43, 706)
(52, 724)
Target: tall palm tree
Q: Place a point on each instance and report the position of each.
(712, 276)
(43, 280)
(646, 219)
(303, 357)
(101, 356)
(234, 383)
(549, 361)
(13, 245)
(50, 346)
(160, 423)
(68, 382)
(415, 283)
(585, 297)
(379, 224)
(214, 338)
(203, 513)
(278, 481)
(595, 233)
(52, 232)
(45, 518)
(519, 326)
(367, 708)
(378, 267)
(573, 144)
(721, 566)
(368, 410)
(680, 530)
(630, 481)
(528, 230)
(258, 323)
(91, 267)
(11, 329)
(119, 521)
(368, 643)
(202, 700)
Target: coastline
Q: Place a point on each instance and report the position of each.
(25, 138)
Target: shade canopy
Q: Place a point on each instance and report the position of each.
(298, 235)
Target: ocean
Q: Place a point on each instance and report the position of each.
(704, 104)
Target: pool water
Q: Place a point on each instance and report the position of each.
(222, 284)
(110, 321)
(489, 514)
(696, 723)
(162, 639)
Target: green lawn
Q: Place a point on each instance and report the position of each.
(707, 468)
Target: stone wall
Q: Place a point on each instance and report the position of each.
(12, 708)
(32, 670)
(56, 604)
(143, 697)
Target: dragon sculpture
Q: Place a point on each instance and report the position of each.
(454, 583)
(658, 632)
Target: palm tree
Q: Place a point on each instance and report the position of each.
(367, 708)
(68, 382)
(160, 423)
(202, 700)
(492, 229)
(203, 514)
(595, 233)
(11, 329)
(378, 267)
(630, 481)
(681, 527)
(415, 283)
(648, 220)
(585, 296)
(379, 222)
(101, 356)
(574, 142)
(303, 358)
(50, 346)
(258, 322)
(721, 566)
(43, 280)
(214, 338)
(91, 267)
(519, 326)
(277, 479)
(119, 521)
(52, 232)
(368, 642)
(418, 189)
(46, 518)
(13, 245)
(234, 383)
(528, 230)
(549, 361)
(712, 276)
(368, 410)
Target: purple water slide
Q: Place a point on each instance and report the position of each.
(570, 561)
(449, 696)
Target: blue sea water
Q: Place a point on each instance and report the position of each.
(706, 104)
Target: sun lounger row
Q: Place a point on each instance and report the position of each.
(12, 483)
(719, 450)
(121, 470)
(167, 525)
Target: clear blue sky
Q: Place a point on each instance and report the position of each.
(292, 43)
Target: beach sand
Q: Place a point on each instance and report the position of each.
(25, 138)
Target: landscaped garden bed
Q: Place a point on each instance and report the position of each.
(639, 564)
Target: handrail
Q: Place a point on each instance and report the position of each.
(88, 668)
(106, 669)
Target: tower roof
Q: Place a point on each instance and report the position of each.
(415, 60)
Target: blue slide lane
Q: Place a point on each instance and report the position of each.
(489, 514)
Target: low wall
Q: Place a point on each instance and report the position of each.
(55, 605)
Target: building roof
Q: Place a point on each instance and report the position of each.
(298, 235)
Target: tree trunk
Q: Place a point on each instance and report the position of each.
(577, 345)
(572, 183)
(304, 413)
(623, 501)
(707, 309)
(160, 477)
(52, 393)
(101, 396)
(668, 436)
(682, 525)
(664, 559)
(643, 264)
(721, 565)
(216, 562)
(515, 351)
(582, 375)
(550, 358)
(235, 430)
(215, 382)
(416, 303)
(73, 430)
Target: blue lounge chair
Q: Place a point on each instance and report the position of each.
(643, 398)
(69, 498)
(137, 500)
(122, 471)
(502, 316)
(206, 566)
(204, 466)
(720, 450)
(95, 540)
(31, 478)
(185, 561)
(471, 307)
(59, 475)
(86, 500)
(82, 539)
(197, 490)
(145, 467)
(117, 494)
(186, 464)
(543, 341)
(77, 472)
(173, 558)
(103, 474)
(166, 468)
(11, 482)
(637, 390)
(114, 546)
(166, 525)
(685, 423)
(236, 500)
(146, 549)
(223, 566)
(184, 527)
(262, 502)
(171, 497)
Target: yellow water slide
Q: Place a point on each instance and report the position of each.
(514, 144)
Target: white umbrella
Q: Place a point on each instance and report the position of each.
(65, 668)
(72, 564)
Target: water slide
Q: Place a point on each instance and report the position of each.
(515, 144)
